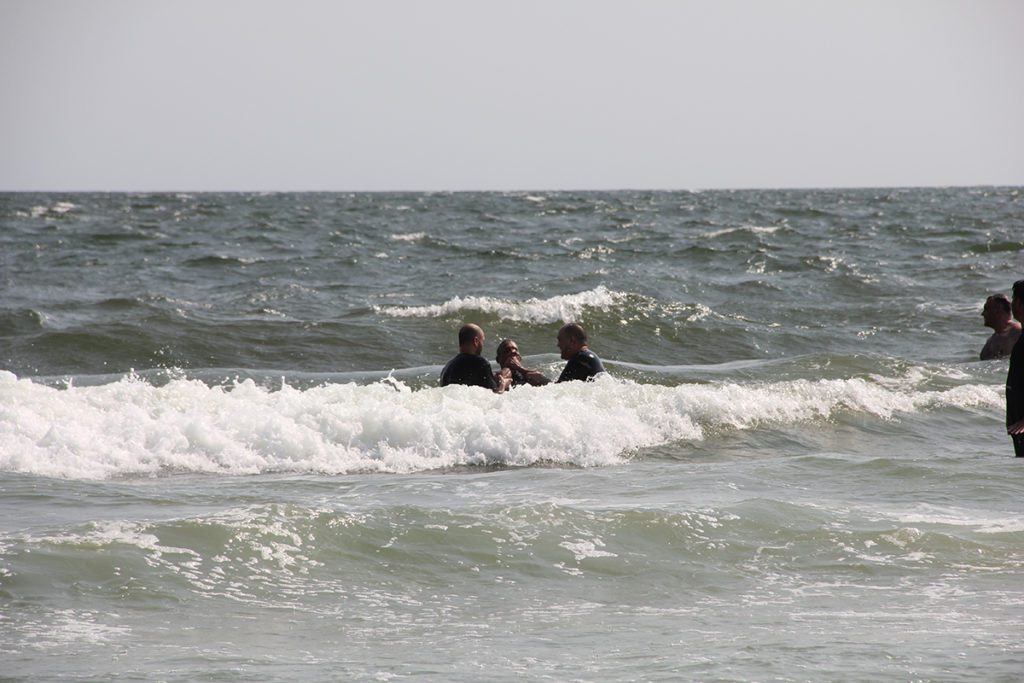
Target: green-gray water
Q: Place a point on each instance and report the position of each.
(224, 456)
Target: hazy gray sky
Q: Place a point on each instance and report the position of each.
(455, 95)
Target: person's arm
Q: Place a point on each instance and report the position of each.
(503, 380)
(534, 377)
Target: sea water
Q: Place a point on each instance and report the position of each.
(224, 454)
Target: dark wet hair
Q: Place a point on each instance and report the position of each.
(503, 344)
(1018, 290)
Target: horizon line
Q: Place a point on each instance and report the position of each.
(784, 188)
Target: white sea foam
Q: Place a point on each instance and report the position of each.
(958, 516)
(131, 428)
(583, 549)
(63, 628)
(564, 307)
(408, 237)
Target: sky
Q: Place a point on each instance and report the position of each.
(388, 95)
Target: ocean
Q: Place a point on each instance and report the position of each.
(224, 454)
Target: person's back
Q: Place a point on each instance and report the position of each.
(469, 367)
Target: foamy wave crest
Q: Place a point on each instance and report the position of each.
(562, 308)
(131, 428)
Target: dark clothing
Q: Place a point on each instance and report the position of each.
(468, 369)
(1015, 392)
(583, 366)
(517, 379)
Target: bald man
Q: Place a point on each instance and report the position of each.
(583, 363)
(470, 367)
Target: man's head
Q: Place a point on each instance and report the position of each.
(1017, 304)
(996, 311)
(571, 340)
(471, 339)
(507, 350)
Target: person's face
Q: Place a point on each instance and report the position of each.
(1017, 306)
(508, 352)
(479, 343)
(992, 314)
(566, 346)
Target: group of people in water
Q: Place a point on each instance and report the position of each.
(470, 368)
(999, 313)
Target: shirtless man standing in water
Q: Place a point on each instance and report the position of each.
(996, 313)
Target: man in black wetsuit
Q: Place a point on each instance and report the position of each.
(469, 367)
(1015, 378)
(508, 356)
(583, 363)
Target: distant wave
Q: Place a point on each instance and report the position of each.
(408, 237)
(58, 209)
(564, 307)
(221, 260)
(132, 428)
(753, 229)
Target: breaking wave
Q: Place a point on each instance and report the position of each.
(131, 427)
(561, 308)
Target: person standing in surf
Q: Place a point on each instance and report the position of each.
(1015, 378)
(997, 315)
(583, 363)
(508, 357)
(469, 367)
